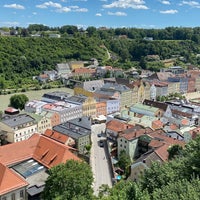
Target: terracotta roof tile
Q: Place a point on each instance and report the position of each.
(19, 151)
(9, 180)
(50, 152)
(118, 126)
(162, 152)
(56, 136)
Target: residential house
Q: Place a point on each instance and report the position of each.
(34, 106)
(183, 85)
(89, 107)
(53, 117)
(43, 78)
(59, 137)
(53, 97)
(43, 122)
(63, 69)
(83, 73)
(78, 129)
(23, 173)
(76, 65)
(101, 108)
(140, 90)
(156, 104)
(141, 109)
(158, 145)
(123, 92)
(115, 127)
(51, 74)
(17, 128)
(102, 71)
(128, 140)
(161, 88)
(88, 88)
(65, 110)
(191, 85)
(113, 106)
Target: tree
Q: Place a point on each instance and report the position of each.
(174, 151)
(124, 162)
(125, 190)
(180, 189)
(71, 180)
(18, 101)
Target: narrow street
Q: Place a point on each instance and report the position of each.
(99, 159)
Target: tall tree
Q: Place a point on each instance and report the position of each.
(18, 101)
(71, 180)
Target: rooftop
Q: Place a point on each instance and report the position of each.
(75, 128)
(18, 120)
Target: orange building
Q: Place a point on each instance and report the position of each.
(101, 108)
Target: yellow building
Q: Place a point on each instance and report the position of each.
(89, 107)
(140, 91)
(81, 91)
(76, 64)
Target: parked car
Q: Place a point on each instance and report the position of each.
(99, 135)
(101, 143)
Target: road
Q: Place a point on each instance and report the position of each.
(99, 160)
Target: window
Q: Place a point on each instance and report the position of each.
(22, 193)
(3, 198)
(13, 196)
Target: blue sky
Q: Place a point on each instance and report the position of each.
(98, 13)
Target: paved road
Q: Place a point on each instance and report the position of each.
(99, 163)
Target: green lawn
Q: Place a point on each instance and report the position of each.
(5, 99)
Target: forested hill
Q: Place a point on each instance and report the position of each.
(22, 55)
(29, 56)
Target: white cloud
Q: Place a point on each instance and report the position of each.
(98, 14)
(60, 8)
(64, 9)
(169, 11)
(10, 23)
(80, 10)
(34, 13)
(135, 4)
(72, 9)
(165, 2)
(194, 4)
(117, 13)
(15, 6)
(49, 4)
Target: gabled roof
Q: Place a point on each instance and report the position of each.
(45, 150)
(160, 105)
(51, 153)
(19, 151)
(135, 132)
(9, 180)
(18, 120)
(56, 136)
(117, 125)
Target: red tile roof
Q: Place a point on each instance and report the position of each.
(35, 147)
(162, 152)
(163, 139)
(43, 149)
(9, 180)
(51, 153)
(117, 126)
(19, 151)
(11, 110)
(56, 136)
